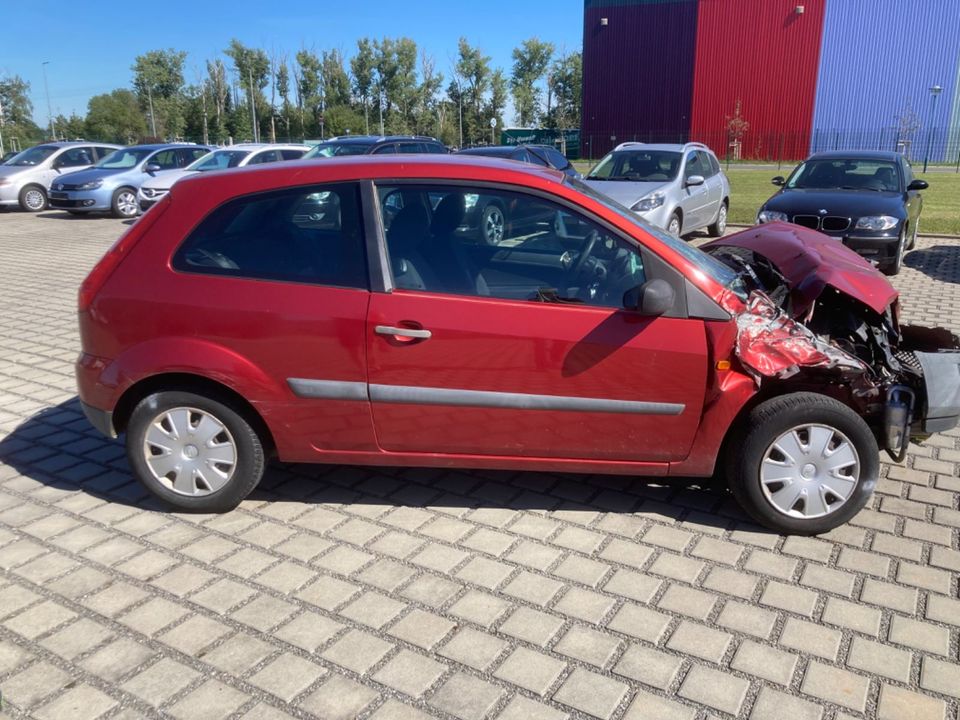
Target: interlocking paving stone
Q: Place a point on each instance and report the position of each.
(399, 591)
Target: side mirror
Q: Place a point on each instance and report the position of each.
(152, 168)
(653, 298)
(695, 180)
(779, 181)
(918, 185)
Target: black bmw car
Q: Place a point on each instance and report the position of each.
(868, 200)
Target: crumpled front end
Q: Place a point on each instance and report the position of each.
(904, 380)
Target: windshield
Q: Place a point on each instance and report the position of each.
(712, 267)
(33, 156)
(123, 159)
(333, 149)
(218, 160)
(638, 166)
(846, 174)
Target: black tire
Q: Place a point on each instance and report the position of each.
(773, 418)
(27, 199)
(679, 224)
(493, 224)
(120, 205)
(247, 470)
(893, 267)
(719, 226)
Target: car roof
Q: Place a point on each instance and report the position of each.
(370, 139)
(261, 146)
(491, 150)
(364, 167)
(71, 143)
(856, 155)
(675, 147)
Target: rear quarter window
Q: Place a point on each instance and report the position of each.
(306, 234)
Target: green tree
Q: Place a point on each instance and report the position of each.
(470, 86)
(309, 85)
(115, 117)
(282, 82)
(497, 103)
(429, 114)
(565, 87)
(336, 82)
(218, 88)
(158, 83)
(253, 75)
(70, 128)
(362, 68)
(530, 63)
(17, 112)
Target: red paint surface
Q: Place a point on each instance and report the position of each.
(762, 53)
(251, 335)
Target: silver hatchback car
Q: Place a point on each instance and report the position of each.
(25, 179)
(680, 188)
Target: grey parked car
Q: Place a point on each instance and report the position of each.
(111, 185)
(25, 178)
(680, 188)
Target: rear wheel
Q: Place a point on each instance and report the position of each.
(33, 198)
(194, 452)
(720, 224)
(803, 463)
(124, 203)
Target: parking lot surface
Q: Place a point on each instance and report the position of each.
(342, 592)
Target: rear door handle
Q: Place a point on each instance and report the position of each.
(403, 332)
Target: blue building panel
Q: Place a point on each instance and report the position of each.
(878, 61)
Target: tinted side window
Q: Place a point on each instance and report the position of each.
(436, 148)
(532, 156)
(292, 154)
(166, 159)
(410, 147)
(495, 243)
(714, 163)
(706, 165)
(693, 165)
(102, 152)
(189, 155)
(385, 150)
(556, 158)
(306, 234)
(267, 156)
(75, 157)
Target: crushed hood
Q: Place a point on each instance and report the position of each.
(810, 261)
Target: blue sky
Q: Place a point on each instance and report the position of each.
(90, 45)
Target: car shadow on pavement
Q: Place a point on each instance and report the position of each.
(57, 449)
(940, 262)
(64, 215)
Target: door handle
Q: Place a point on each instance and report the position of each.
(403, 332)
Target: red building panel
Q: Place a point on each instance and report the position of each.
(765, 55)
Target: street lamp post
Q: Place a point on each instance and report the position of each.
(934, 94)
(46, 88)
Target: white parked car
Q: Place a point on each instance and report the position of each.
(239, 155)
(25, 178)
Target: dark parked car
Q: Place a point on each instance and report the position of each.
(868, 200)
(228, 326)
(376, 145)
(542, 155)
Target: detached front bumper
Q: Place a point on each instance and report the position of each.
(941, 380)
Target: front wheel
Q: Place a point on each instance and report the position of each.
(124, 203)
(33, 198)
(673, 227)
(894, 266)
(803, 463)
(194, 452)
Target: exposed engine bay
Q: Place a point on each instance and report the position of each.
(815, 318)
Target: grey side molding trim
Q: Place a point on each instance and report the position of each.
(407, 395)
(328, 389)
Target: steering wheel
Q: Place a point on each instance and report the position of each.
(592, 239)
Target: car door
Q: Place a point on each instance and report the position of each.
(695, 199)
(714, 183)
(185, 156)
(280, 278)
(264, 156)
(524, 348)
(388, 149)
(913, 199)
(72, 159)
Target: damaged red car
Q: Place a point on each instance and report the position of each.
(349, 311)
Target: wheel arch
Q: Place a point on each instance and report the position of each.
(190, 382)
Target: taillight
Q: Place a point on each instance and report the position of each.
(101, 272)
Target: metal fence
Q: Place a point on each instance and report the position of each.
(936, 146)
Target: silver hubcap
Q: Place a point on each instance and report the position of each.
(189, 451)
(674, 227)
(127, 203)
(809, 471)
(34, 199)
(493, 228)
(722, 219)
